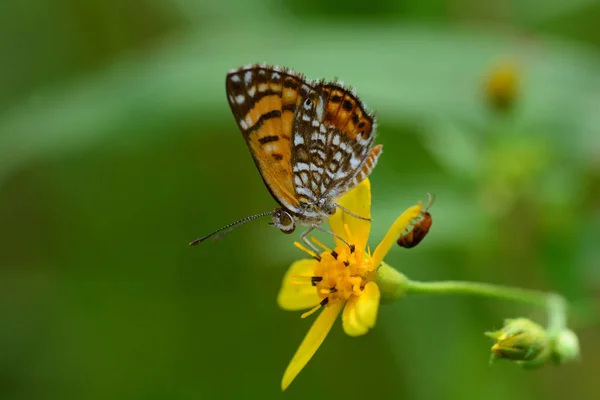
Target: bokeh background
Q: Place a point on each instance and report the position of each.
(117, 147)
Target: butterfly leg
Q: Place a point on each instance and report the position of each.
(304, 238)
(344, 209)
(320, 228)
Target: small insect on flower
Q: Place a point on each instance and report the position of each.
(420, 228)
(312, 141)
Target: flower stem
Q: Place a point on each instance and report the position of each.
(554, 303)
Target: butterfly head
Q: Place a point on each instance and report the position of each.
(284, 220)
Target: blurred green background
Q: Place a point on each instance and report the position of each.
(117, 147)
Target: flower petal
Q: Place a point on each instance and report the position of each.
(360, 313)
(313, 339)
(293, 297)
(401, 223)
(358, 201)
(367, 304)
(350, 322)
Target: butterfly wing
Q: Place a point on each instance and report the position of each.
(263, 101)
(332, 139)
(347, 114)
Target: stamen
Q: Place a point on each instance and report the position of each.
(318, 243)
(321, 245)
(309, 252)
(315, 279)
(346, 263)
(317, 307)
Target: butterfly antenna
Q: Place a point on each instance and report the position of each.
(229, 228)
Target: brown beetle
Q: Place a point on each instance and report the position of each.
(419, 229)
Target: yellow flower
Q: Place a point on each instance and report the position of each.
(502, 86)
(345, 277)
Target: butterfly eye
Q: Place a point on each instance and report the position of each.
(284, 221)
(308, 104)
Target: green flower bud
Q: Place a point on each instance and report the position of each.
(566, 346)
(519, 340)
(392, 283)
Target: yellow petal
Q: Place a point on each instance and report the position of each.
(358, 201)
(360, 312)
(401, 223)
(295, 297)
(350, 322)
(367, 304)
(311, 343)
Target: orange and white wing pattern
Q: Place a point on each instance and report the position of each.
(332, 139)
(263, 101)
(311, 140)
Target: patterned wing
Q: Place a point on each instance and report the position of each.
(345, 112)
(263, 101)
(332, 139)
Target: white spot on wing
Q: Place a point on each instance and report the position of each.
(248, 77)
(270, 148)
(243, 124)
(235, 78)
(320, 108)
(354, 162)
(319, 152)
(306, 192)
(316, 169)
(340, 175)
(240, 99)
(301, 167)
(336, 140)
(304, 177)
(251, 91)
(317, 136)
(298, 140)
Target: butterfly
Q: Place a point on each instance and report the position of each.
(311, 141)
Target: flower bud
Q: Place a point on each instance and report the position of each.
(519, 340)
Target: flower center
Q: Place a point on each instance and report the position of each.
(339, 274)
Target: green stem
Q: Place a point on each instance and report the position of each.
(554, 303)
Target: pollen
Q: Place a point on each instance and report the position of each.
(339, 274)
